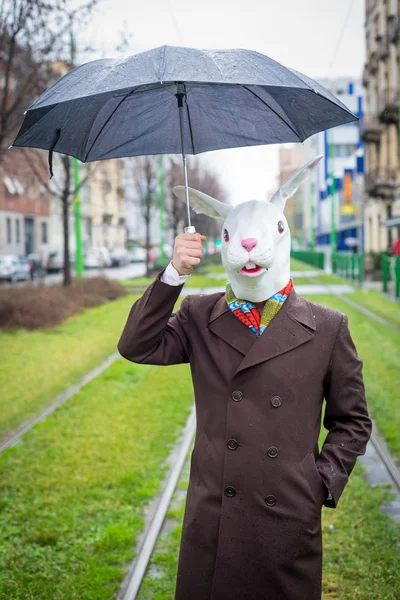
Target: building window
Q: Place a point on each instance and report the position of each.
(342, 150)
(17, 233)
(9, 237)
(44, 233)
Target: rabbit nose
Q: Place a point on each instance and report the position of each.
(249, 243)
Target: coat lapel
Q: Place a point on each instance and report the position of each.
(226, 326)
(291, 327)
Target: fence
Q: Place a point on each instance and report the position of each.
(348, 265)
(391, 273)
(316, 259)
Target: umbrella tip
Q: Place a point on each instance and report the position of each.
(9, 147)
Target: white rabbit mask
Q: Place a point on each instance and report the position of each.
(255, 237)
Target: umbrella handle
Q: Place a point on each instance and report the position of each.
(190, 229)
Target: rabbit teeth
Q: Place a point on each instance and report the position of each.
(250, 265)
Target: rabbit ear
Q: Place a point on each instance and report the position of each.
(203, 204)
(292, 184)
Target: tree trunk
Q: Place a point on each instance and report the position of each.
(390, 236)
(65, 210)
(67, 267)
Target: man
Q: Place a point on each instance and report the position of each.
(262, 360)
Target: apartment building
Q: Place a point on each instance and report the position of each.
(107, 198)
(340, 171)
(24, 205)
(381, 123)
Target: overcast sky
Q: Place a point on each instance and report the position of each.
(317, 37)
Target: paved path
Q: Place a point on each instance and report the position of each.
(127, 272)
(381, 469)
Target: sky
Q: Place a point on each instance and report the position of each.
(321, 38)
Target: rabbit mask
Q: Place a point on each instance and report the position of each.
(255, 237)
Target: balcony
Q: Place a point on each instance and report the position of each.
(373, 62)
(392, 29)
(383, 47)
(370, 129)
(388, 106)
(381, 183)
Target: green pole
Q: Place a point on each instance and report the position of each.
(398, 76)
(385, 272)
(77, 202)
(312, 217)
(161, 209)
(332, 194)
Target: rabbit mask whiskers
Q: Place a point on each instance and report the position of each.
(255, 237)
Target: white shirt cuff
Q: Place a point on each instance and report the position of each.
(172, 277)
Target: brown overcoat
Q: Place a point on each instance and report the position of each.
(252, 525)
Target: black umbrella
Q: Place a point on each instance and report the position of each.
(170, 100)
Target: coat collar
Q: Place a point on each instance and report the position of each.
(291, 327)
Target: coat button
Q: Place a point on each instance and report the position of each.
(276, 401)
(272, 451)
(230, 491)
(232, 444)
(270, 500)
(237, 396)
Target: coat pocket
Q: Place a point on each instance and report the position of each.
(313, 478)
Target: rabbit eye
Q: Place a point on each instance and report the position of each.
(281, 227)
(226, 235)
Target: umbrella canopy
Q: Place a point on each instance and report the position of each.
(129, 107)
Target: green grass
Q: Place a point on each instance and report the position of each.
(298, 265)
(37, 365)
(361, 559)
(380, 305)
(379, 349)
(137, 281)
(216, 268)
(72, 492)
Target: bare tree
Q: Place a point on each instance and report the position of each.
(63, 189)
(35, 51)
(200, 178)
(34, 36)
(145, 178)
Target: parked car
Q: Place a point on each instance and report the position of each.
(97, 258)
(13, 269)
(37, 270)
(137, 254)
(55, 261)
(119, 258)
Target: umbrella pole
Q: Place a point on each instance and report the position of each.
(180, 94)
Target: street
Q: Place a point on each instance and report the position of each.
(126, 272)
